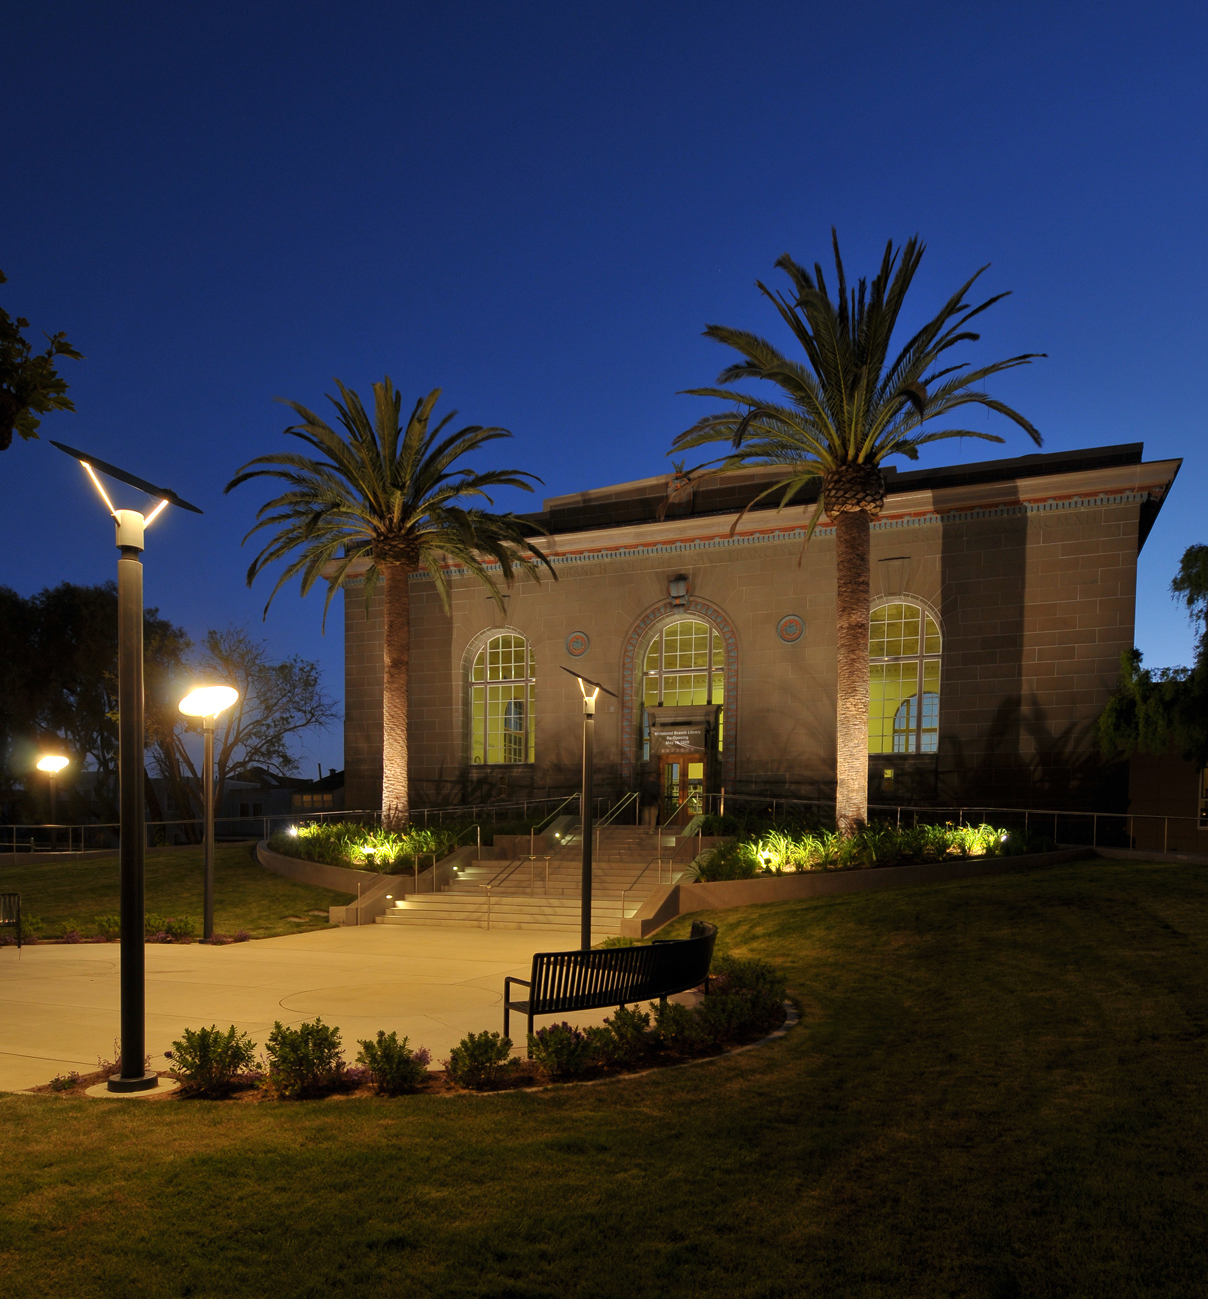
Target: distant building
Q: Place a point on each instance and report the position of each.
(1003, 593)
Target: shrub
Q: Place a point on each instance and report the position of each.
(108, 927)
(676, 1026)
(166, 929)
(561, 1050)
(617, 942)
(344, 843)
(722, 1016)
(64, 1082)
(479, 1060)
(602, 1044)
(209, 1060)
(743, 995)
(71, 932)
(393, 1068)
(303, 1060)
(630, 1031)
(727, 861)
(241, 937)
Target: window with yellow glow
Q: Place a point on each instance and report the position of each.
(685, 664)
(503, 696)
(904, 680)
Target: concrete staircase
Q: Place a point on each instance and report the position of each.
(540, 895)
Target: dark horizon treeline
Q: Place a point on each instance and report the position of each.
(58, 694)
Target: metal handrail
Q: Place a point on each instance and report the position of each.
(629, 798)
(537, 829)
(504, 873)
(681, 807)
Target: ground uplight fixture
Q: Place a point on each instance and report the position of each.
(131, 528)
(207, 702)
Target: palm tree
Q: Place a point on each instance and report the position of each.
(389, 493)
(837, 418)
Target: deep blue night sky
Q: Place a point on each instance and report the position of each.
(537, 207)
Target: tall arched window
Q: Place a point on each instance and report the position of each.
(685, 664)
(503, 696)
(903, 654)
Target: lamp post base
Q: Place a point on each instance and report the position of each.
(117, 1083)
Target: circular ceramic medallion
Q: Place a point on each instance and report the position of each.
(577, 644)
(790, 628)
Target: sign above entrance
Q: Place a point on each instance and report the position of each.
(676, 739)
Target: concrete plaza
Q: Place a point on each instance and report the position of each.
(59, 1003)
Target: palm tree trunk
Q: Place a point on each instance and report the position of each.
(852, 528)
(396, 802)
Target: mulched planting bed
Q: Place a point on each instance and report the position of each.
(525, 1075)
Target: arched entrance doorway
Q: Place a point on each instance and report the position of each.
(679, 703)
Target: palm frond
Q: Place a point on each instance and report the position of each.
(385, 486)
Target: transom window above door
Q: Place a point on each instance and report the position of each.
(684, 664)
(904, 679)
(503, 697)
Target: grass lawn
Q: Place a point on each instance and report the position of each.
(997, 1090)
(246, 896)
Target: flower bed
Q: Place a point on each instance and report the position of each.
(344, 843)
(787, 851)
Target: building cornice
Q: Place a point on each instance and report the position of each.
(1051, 493)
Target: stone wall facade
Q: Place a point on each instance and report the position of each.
(1031, 576)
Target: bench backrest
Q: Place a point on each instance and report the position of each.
(10, 908)
(564, 981)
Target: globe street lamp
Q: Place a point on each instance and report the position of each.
(132, 743)
(207, 702)
(52, 764)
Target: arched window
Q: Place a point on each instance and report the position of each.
(503, 696)
(903, 653)
(685, 664)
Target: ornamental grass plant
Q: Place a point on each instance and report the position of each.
(786, 850)
(362, 847)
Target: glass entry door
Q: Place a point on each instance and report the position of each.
(682, 778)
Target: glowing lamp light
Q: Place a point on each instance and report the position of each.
(52, 763)
(293, 830)
(208, 701)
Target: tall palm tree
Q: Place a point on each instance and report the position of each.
(836, 419)
(388, 492)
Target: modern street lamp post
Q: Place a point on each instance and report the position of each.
(589, 727)
(131, 526)
(207, 702)
(52, 764)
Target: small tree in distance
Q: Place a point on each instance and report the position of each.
(277, 701)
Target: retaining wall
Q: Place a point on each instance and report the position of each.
(673, 900)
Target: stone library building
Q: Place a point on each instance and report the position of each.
(1003, 593)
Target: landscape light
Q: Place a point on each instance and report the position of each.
(52, 763)
(132, 747)
(207, 702)
(293, 829)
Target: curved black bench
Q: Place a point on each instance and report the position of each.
(615, 976)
